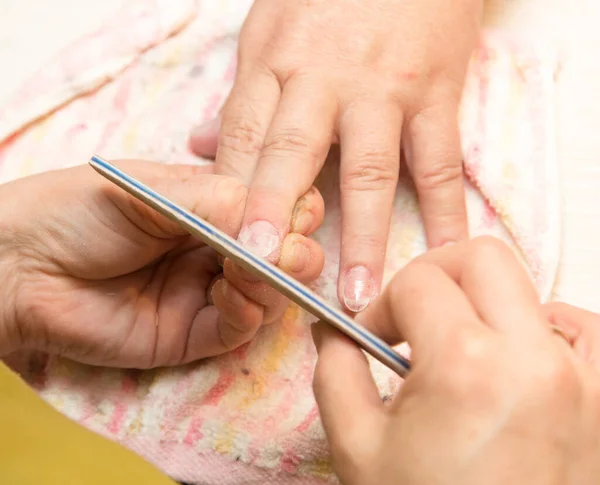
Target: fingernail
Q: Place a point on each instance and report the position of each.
(232, 295)
(261, 238)
(211, 288)
(295, 256)
(302, 221)
(449, 243)
(359, 289)
(302, 217)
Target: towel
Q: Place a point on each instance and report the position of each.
(135, 88)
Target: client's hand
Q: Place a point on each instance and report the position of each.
(88, 272)
(495, 396)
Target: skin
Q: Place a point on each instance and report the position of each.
(379, 77)
(93, 254)
(96, 276)
(494, 396)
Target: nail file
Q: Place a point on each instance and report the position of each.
(257, 266)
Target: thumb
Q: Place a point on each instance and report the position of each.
(204, 139)
(217, 199)
(348, 399)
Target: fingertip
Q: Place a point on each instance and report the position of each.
(211, 286)
(235, 309)
(204, 139)
(301, 257)
(309, 212)
(325, 335)
(572, 320)
(316, 330)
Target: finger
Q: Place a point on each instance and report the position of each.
(302, 259)
(370, 144)
(495, 282)
(251, 286)
(204, 139)
(245, 120)
(308, 213)
(348, 400)
(231, 322)
(215, 198)
(240, 316)
(434, 157)
(581, 329)
(153, 172)
(185, 328)
(295, 148)
(423, 306)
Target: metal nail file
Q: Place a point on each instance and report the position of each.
(263, 269)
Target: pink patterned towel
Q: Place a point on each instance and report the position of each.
(135, 89)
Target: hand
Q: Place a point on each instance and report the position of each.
(92, 274)
(373, 74)
(494, 396)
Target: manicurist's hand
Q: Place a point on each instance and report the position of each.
(373, 75)
(495, 395)
(92, 274)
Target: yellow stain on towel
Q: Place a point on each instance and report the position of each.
(38, 133)
(130, 138)
(281, 341)
(271, 362)
(173, 58)
(509, 171)
(225, 441)
(321, 468)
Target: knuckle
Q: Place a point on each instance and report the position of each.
(231, 192)
(290, 142)
(242, 135)
(485, 249)
(468, 369)
(555, 376)
(367, 244)
(231, 195)
(233, 336)
(371, 170)
(439, 174)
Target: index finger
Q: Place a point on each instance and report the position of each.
(295, 148)
(469, 285)
(494, 280)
